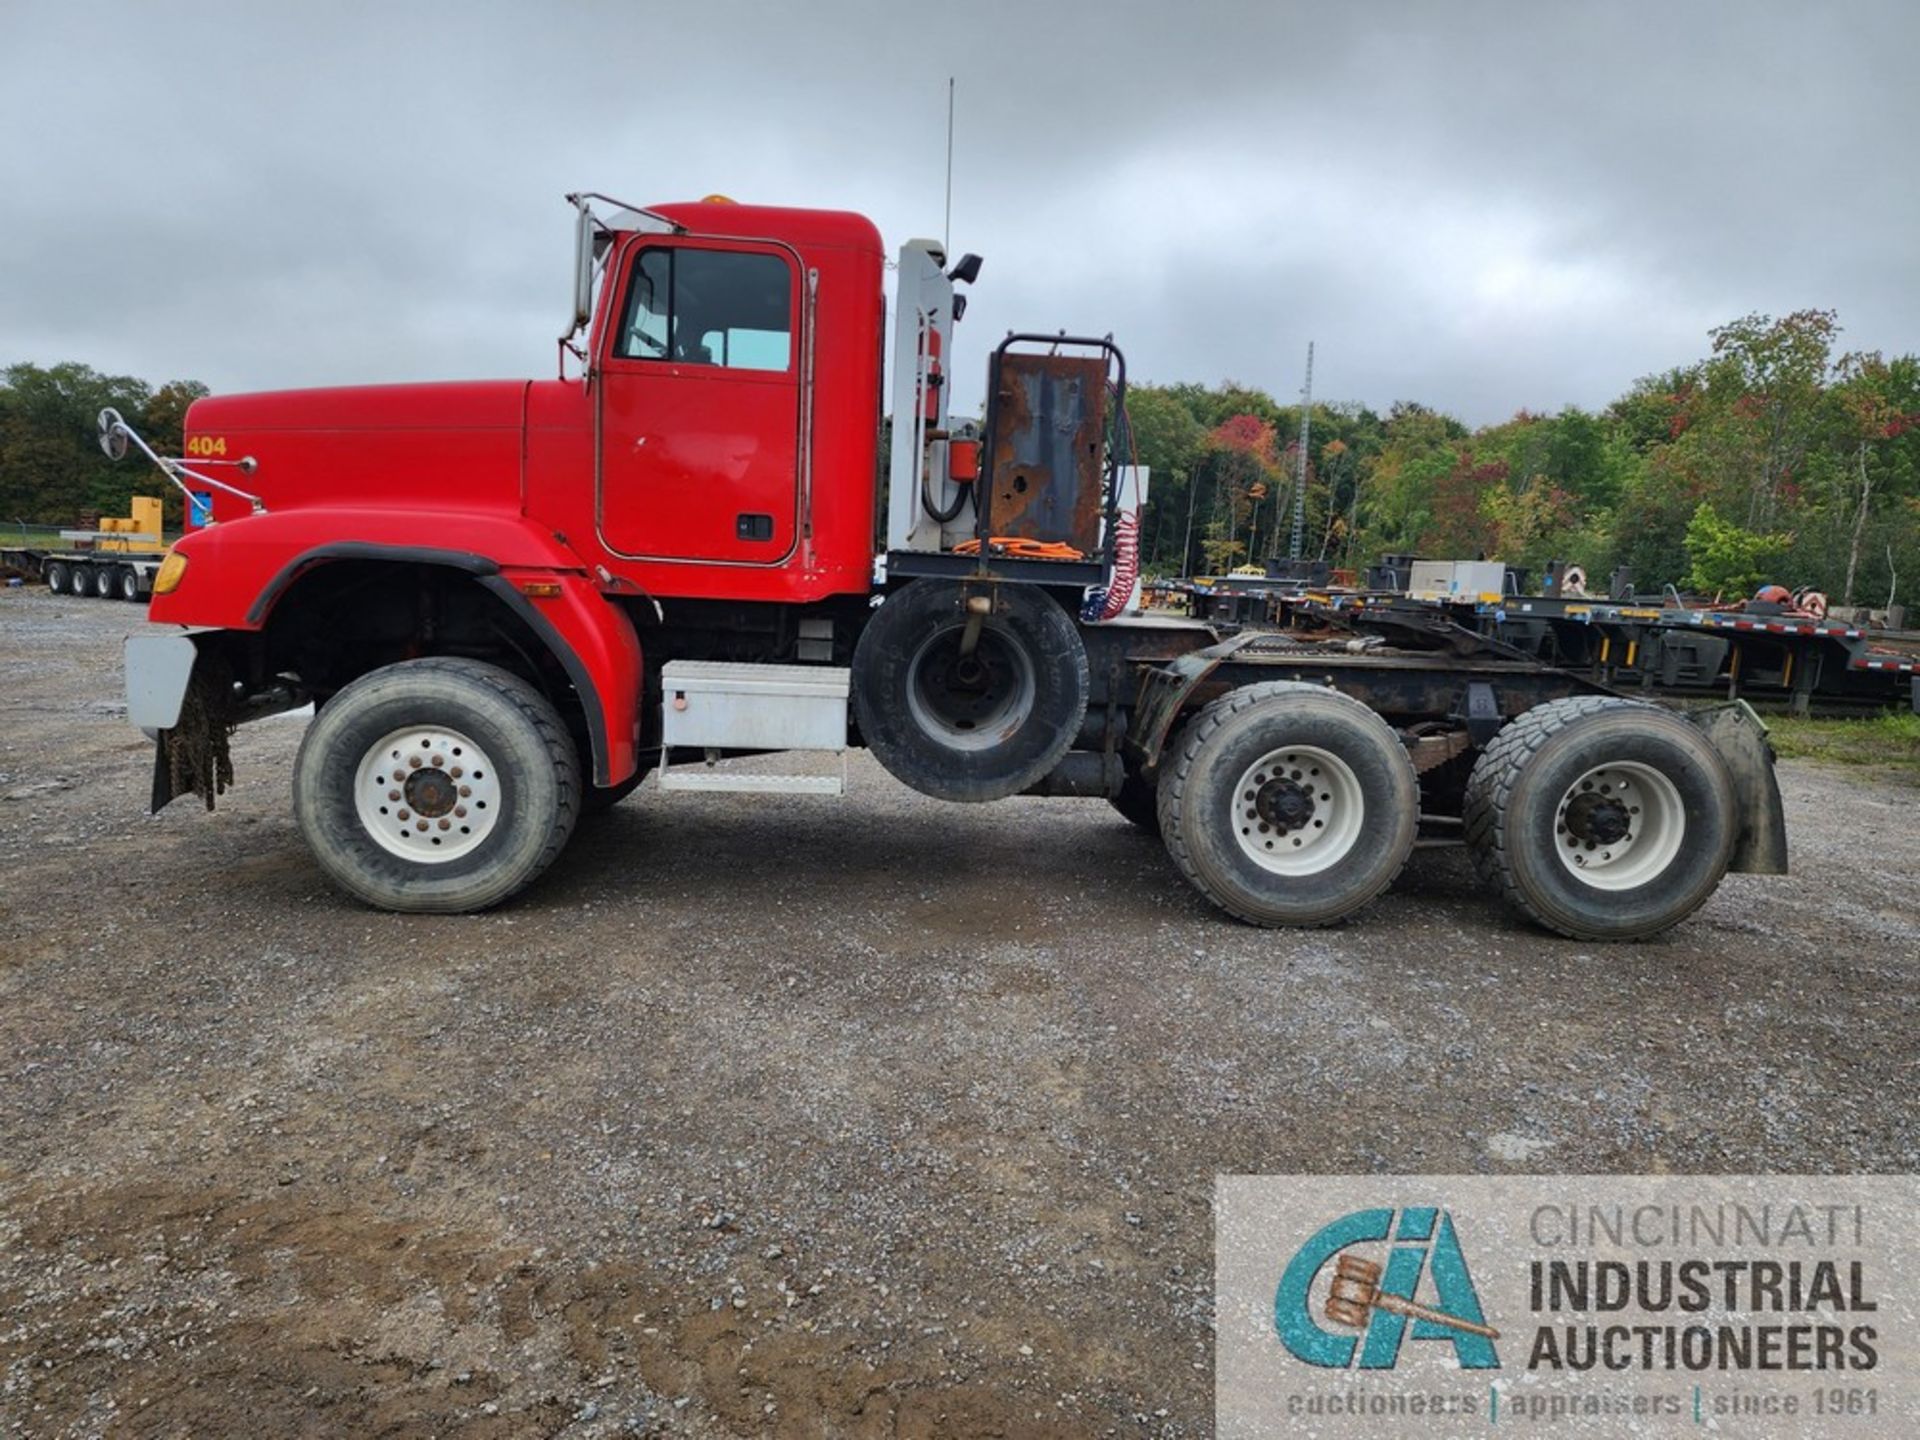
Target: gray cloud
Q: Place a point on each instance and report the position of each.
(1484, 206)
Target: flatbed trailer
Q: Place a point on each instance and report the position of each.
(90, 573)
(1761, 653)
(1766, 654)
(117, 559)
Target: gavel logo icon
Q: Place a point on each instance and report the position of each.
(1356, 1291)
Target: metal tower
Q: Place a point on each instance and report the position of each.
(1298, 541)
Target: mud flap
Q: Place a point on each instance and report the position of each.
(163, 793)
(193, 757)
(1740, 736)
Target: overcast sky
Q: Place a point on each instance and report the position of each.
(1481, 206)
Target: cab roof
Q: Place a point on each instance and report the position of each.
(837, 229)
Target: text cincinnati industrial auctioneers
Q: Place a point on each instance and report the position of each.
(1618, 1301)
(1793, 1314)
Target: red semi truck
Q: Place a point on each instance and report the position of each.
(512, 601)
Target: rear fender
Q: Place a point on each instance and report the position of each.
(1741, 738)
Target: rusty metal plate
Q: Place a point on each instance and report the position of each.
(1050, 415)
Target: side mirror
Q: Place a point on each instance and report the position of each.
(967, 271)
(583, 237)
(113, 434)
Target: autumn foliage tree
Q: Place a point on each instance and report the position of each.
(1772, 431)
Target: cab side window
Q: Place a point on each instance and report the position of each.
(724, 308)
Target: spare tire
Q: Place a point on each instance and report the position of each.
(977, 726)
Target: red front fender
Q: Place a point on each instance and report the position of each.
(238, 570)
(595, 641)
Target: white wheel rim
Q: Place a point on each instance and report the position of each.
(427, 794)
(1618, 826)
(1298, 810)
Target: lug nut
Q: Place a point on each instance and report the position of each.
(455, 772)
(419, 824)
(460, 811)
(413, 762)
(465, 789)
(406, 814)
(439, 761)
(393, 794)
(446, 824)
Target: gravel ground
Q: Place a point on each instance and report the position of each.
(872, 1116)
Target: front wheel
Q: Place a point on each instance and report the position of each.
(1601, 818)
(1289, 804)
(438, 785)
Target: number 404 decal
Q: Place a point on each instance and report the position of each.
(207, 445)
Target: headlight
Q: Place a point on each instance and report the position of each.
(172, 571)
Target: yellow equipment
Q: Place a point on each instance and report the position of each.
(134, 534)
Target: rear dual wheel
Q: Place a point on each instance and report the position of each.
(438, 785)
(1601, 818)
(1289, 804)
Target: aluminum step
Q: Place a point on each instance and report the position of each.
(740, 783)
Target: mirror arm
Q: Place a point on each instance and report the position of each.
(112, 428)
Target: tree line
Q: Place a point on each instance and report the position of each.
(1777, 457)
(51, 467)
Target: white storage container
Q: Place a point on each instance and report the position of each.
(1430, 579)
(1473, 579)
(732, 706)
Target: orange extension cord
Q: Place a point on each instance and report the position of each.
(1021, 548)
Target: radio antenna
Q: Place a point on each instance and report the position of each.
(946, 235)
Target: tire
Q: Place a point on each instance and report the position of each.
(1294, 853)
(1550, 811)
(960, 729)
(1138, 801)
(128, 581)
(80, 580)
(56, 577)
(105, 581)
(492, 776)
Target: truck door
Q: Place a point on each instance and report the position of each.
(699, 405)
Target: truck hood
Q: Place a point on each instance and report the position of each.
(423, 447)
(452, 405)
